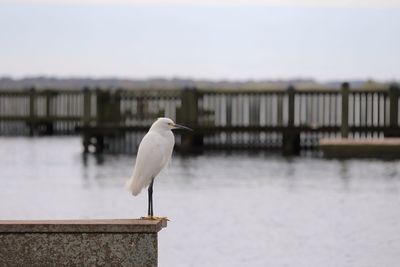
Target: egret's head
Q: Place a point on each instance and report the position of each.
(167, 124)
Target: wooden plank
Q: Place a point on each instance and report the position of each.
(365, 148)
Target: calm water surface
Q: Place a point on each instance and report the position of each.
(225, 210)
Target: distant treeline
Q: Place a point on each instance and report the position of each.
(161, 83)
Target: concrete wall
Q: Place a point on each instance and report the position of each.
(79, 242)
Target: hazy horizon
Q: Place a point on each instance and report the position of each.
(178, 78)
(201, 42)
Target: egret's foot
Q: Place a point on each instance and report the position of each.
(160, 218)
(154, 218)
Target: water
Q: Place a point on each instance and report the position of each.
(225, 210)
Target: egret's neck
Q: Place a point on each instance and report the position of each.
(160, 130)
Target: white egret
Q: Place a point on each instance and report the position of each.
(154, 153)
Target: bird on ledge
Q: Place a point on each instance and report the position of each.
(155, 151)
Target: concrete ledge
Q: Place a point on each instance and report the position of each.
(79, 226)
(360, 148)
(122, 242)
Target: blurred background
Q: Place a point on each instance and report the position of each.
(294, 160)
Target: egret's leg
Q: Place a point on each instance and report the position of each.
(149, 201)
(150, 213)
(150, 192)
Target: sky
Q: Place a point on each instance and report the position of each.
(235, 40)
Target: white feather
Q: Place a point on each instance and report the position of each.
(153, 154)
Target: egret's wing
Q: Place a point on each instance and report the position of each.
(149, 162)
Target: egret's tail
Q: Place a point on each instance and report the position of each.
(132, 186)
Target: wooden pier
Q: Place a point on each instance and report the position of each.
(289, 119)
(364, 148)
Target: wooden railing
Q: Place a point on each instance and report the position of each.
(42, 111)
(290, 118)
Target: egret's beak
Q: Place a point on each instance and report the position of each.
(177, 126)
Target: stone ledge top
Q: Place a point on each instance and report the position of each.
(82, 226)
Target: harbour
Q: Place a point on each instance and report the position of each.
(295, 211)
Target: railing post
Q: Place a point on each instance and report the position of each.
(86, 118)
(114, 109)
(108, 108)
(48, 100)
(86, 106)
(290, 92)
(393, 110)
(108, 115)
(188, 116)
(141, 108)
(345, 110)
(102, 97)
(48, 120)
(32, 108)
(291, 138)
(99, 106)
(394, 105)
